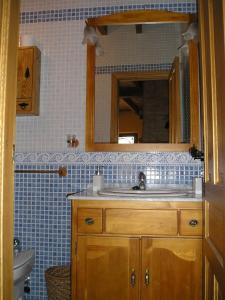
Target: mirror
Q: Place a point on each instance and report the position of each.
(142, 91)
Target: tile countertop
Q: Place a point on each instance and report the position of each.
(90, 195)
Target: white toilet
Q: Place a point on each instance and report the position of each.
(23, 263)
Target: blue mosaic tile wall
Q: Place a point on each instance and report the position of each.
(43, 214)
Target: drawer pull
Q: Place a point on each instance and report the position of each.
(89, 221)
(23, 105)
(133, 278)
(193, 222)
(147, 277)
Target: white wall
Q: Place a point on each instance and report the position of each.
(156, 45)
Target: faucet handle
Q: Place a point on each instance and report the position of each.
(16, 244)
(142, 176)
(142, 179)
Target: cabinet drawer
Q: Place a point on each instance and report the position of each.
(24, 106)
(190, 222)
(89, 220)
(129, 221)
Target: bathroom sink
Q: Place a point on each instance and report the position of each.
(143, 193)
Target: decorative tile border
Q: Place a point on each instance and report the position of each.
(132, 68)
(72, 14)
(93, 158)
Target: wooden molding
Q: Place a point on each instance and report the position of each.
(194, 92)
(174, 103)
(9, 24)
(203, 87)
(142, 17)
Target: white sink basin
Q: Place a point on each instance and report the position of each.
(143, 193)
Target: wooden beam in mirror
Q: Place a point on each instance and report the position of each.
(133, 18)
(138, 28)
(103, 30)
(142, 17)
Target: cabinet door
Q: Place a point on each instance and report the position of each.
(25, 73)
(107, 268)
(171, 269)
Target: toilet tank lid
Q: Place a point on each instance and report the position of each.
(22, 258)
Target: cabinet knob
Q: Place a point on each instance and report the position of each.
(147, 277)
(89, 221)
(23, 105)
(133, 278)
(193, 222)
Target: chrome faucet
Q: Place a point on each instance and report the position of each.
(16, 245)
(142, 181)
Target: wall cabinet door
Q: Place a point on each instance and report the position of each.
(28, 81)
(25, 73)
(171, 269)
(107, 268)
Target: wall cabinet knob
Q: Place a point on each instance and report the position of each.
(23, 105)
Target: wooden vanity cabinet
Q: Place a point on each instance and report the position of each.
(115, 265)
(28, 81)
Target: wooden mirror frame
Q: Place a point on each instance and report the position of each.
(139, 17)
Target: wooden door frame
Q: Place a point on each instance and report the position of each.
(9, 28)
(212, 95)
(132, 76)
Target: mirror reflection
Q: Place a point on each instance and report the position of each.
(142, 88)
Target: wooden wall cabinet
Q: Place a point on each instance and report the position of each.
(115, 258)
(28, 81)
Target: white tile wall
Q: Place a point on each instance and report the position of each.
(156, 45)
(62, 98)
(30, 5)
(63, 77)
(102, 108)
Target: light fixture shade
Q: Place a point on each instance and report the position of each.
(91, 38)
